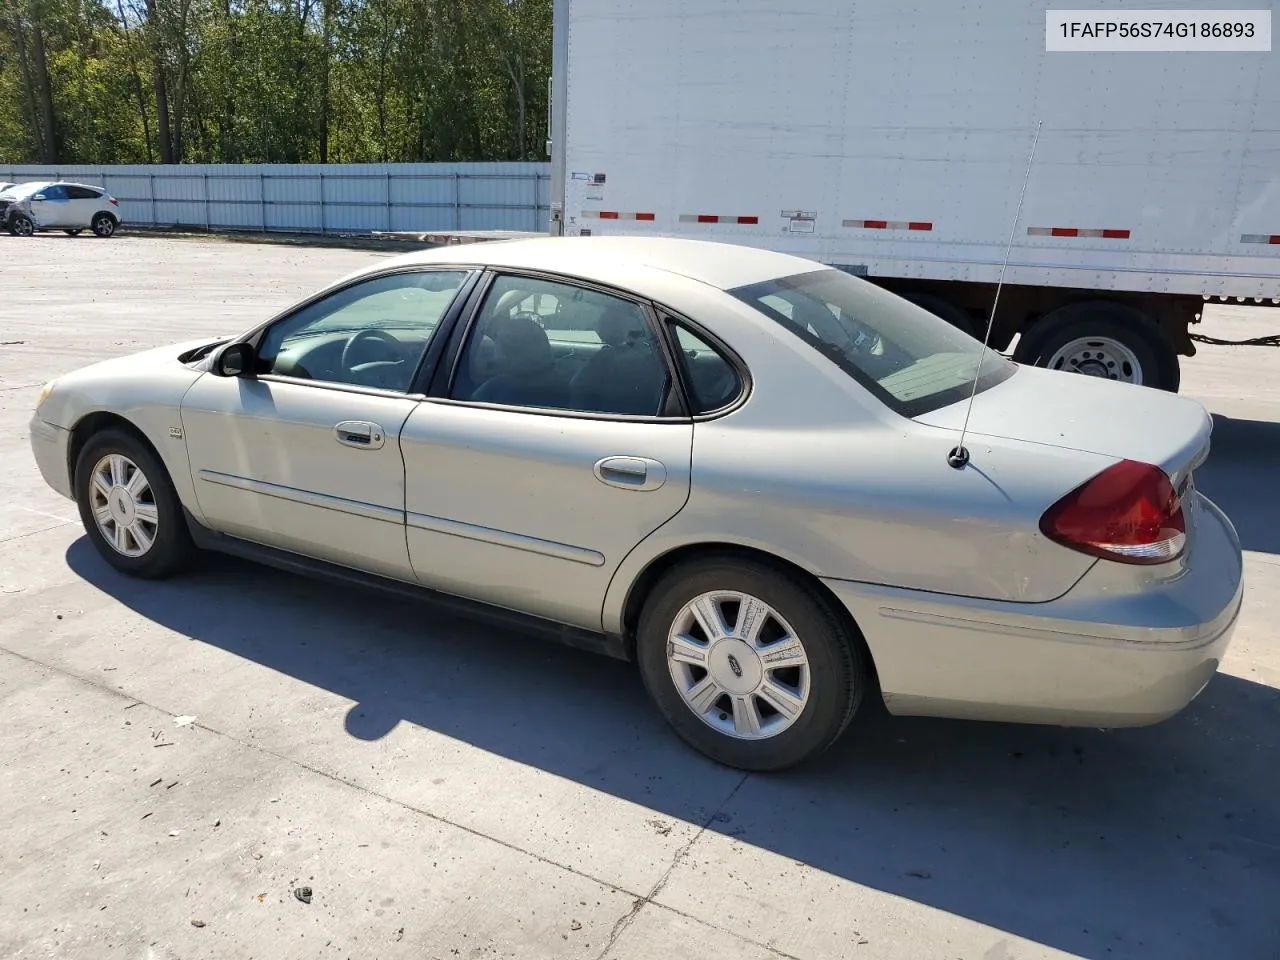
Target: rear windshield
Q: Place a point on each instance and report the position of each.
(910, 359)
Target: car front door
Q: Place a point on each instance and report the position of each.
(559, 445)
(50, 207)
(303, 454)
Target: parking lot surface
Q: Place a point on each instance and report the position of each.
(177, 758)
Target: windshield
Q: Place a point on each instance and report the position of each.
(911, 360)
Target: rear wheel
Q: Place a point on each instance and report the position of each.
(1112, 341)
(20, 225)
(73, 233)
(748, 664)
(129, 507)
(104, 225)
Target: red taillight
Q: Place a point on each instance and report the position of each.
(114, 201)
(1129, 512)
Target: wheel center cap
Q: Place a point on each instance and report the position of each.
(735, 666)
(122, 506)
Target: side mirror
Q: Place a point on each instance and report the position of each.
(236, 360)
(39, 196)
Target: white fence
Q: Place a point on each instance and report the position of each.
(320, 198)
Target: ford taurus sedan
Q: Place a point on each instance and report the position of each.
(740, 468)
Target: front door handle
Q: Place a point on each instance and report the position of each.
(360, 434)
(631, 473)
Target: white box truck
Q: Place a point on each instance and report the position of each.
(891, 138)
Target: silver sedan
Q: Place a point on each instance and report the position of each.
(742, 469)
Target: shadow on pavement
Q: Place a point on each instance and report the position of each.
(1242, 476)
(1157, 843)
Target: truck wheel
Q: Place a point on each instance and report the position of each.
(1102, 339)
(945, 310)
(748, 664)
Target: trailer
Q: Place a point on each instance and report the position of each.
(893, 139)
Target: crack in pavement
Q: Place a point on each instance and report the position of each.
(627, 918)
(620, 925)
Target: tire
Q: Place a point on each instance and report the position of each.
(945, 310)
(20, 225)
(73, 233)
(1100, 335)
(171, 549)
(104, 225)
(834, 676)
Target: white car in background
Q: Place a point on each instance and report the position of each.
(28, 208)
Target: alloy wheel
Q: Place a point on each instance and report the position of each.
(738, 665)
(123, 505)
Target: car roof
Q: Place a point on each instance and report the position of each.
(721, 265)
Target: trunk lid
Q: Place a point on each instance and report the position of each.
(1078, 412)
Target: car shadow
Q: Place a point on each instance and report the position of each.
(1240, 476)
(1161, 842)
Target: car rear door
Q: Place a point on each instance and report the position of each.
(558, 445)
(85, 202)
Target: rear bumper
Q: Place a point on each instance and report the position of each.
(49, 445)
(1108, 653)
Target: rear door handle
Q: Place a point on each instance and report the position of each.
(631, 473)
(360, 434)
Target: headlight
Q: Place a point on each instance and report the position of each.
(44, 393)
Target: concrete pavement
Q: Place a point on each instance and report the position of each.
(454, 790)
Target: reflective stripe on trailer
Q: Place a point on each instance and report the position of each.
(1260, 238)
(888, 224)
(615, 215)
(715, 218)
(1077, 232)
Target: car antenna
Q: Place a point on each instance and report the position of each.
(959, 455)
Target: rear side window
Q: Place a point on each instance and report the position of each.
(83, 193)
(711, 379)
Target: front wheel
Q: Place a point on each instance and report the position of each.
(129, 507)
(104, 225)
(748, 664)
(20, 225)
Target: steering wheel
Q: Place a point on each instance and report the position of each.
(360, 337)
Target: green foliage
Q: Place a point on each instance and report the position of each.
(280, 81)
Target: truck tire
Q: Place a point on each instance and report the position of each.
(946, 310)
(1103, 339)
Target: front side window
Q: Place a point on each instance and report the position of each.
(371, 334)
(910, 359)
(540, 343)
(54, 192)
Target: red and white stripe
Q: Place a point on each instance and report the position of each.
(716, 218)
(1077, 232)
(1261, 238)
(615, 215)
(887, 224)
